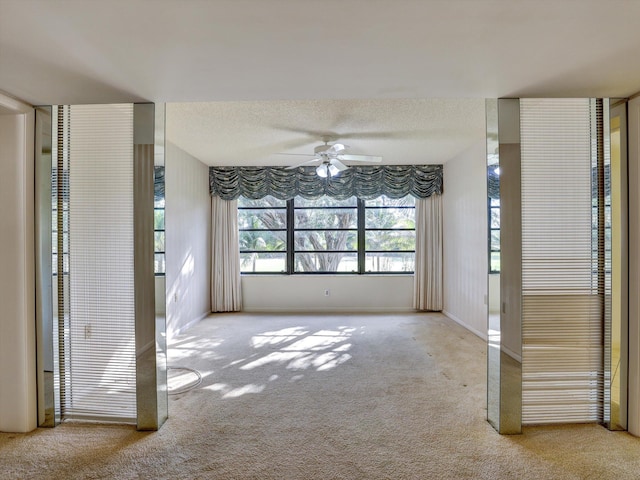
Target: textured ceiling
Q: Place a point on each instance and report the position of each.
(257, 133)
(79, 51)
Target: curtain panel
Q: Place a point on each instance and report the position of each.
(364, 182)
(226, 290)
(427, 278)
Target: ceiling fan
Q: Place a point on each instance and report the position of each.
(330, 158)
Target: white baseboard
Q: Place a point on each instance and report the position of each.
(512, 354)
(187, 325)
(329, 310)
(482, 335)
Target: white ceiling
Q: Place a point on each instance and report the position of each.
(416, 131)
(252, 54)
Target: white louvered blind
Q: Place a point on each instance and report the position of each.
(561, 305)
(100, 380)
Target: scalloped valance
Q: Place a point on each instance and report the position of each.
(364, 182)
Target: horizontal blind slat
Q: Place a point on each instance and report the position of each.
(101, 380)
(561, 309)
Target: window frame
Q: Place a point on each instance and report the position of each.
(258, 251)
(360, 230)
(491, 229)
(163, 231)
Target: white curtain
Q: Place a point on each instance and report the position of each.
(427, 283)
(226, 289)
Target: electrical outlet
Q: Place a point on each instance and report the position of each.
(87, 331)
(326, 293)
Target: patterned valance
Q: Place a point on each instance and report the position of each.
(364, 182)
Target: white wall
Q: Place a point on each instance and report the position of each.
(465, 239)
(18, 412)
(347, 293)
(188, 238)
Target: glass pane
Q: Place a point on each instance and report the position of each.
(272, 219)
(326, 262)
(495, 218)
(390, 218)
(326, 240)
(495, 240)
(325, 202)
(389, 262)
(267, 201)
(495, 202)
(384, 201)
(158, 243)
(158, 203)
(158, 264)
(265, 240)
(326, 218)
(263, 262)
(495, 261)
(390, 240)
(158, 219)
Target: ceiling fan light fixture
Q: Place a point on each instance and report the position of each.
(322, 170)
(333, 170)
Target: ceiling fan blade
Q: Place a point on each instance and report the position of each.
(308, 162)
(295, 154)
(338, 164)
(335, 149)
(360, 158)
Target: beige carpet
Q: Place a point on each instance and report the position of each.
(324, 397)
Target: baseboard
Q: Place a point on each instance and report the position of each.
(329, 310)
(512, 354)
(188, 325)
(482, 335)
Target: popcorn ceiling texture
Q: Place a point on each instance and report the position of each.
(402, 131)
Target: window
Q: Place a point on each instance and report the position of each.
(390, 234)
(263, 235)
(158, 237)
(327, 235)
(494, 235)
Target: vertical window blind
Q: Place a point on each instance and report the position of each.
(562, 299)
(99, 380)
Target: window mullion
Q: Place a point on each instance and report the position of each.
(290, 237)
(361, 239)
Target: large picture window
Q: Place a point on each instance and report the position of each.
(326, 235)
(263, 235)
(390, 234)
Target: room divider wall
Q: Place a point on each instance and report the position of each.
(554, 346)
(108, 360)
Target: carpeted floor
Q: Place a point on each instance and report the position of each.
(324, 397)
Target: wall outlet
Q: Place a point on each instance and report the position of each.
(87, 331)
(326, 293)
